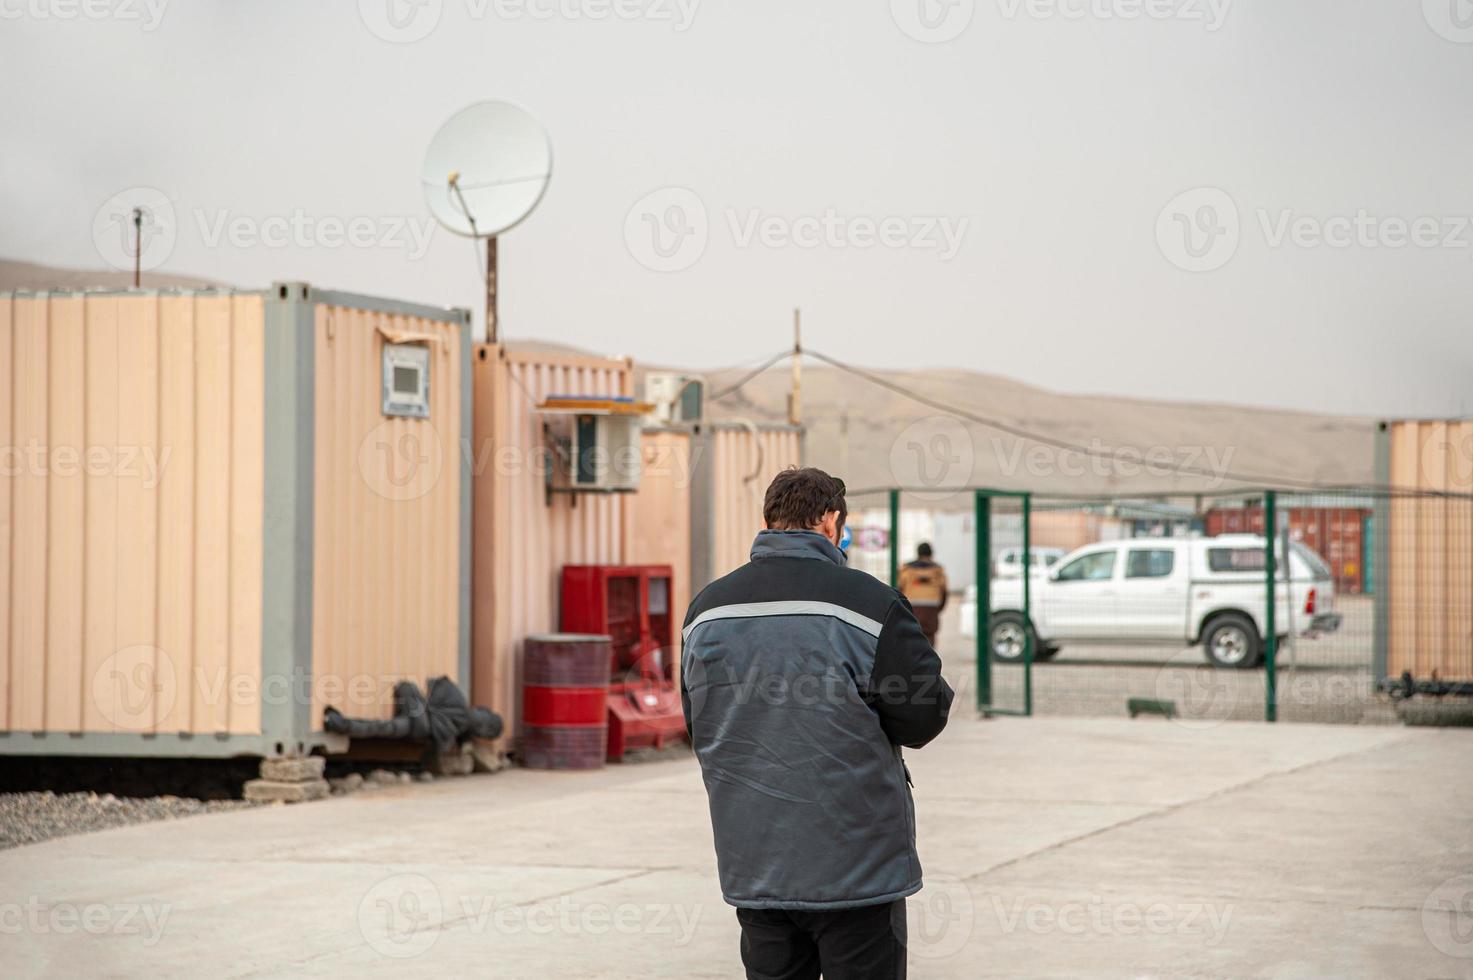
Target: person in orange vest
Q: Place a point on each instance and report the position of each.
(923, 582)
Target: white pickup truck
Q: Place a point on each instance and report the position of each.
(1177, 591)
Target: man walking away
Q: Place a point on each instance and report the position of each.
(923, 582)
(801, 680)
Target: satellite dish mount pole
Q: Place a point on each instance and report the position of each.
(491, 317)
(508, 160)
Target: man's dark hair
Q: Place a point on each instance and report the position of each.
(797, 499)
(924, 551)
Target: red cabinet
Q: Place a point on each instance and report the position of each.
(631, 605)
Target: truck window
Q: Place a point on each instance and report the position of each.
(1092, 567)
(1235, 559)
(1150, 562)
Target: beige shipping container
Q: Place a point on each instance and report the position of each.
(524, 535)
(732, 463)
(698, 486)
(213, 529)
(660, 521)
(1423, 550)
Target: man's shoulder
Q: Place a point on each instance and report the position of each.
(787, 579)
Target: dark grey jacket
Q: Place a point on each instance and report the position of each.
(801, 679)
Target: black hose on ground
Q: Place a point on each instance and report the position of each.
(445, 718)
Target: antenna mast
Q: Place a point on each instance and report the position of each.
(491, 316)
(795, 399)
(137, 246)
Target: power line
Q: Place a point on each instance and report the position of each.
(729, 389)
(1252, 480)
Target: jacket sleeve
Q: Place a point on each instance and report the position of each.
(906, 687)
(685, 706)
(945, 587)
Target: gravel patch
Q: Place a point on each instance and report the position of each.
(28, 818)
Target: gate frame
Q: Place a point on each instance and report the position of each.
(982, 517)
(982, 534)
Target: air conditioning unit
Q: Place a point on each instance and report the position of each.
(595, 443)
(677, 398)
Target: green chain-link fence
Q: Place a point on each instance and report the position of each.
(1109, 606)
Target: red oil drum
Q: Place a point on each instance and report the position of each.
(565, 692)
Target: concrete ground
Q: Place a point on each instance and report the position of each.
(1052, 847)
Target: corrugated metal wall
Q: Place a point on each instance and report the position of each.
(1430, 597)
(660, 521)
(130, 512)
(744, 462)
(522, 541)
(387, 517)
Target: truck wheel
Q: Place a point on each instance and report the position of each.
(1008, 632)
(1231, 641)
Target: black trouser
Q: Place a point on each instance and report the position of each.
(867, 943)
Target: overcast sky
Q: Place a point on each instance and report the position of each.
(1251, 201)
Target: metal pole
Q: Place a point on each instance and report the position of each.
(1270, 639)
(894, 539)
(1381, 559)
(493, 328)
(1027, 607)
(982, 521)
(795, 397)
(137, 246)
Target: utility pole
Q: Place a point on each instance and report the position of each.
(795, 399)
(137, 246)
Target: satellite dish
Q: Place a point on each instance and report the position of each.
(486, 169)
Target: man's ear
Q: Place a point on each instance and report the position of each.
(829, 527)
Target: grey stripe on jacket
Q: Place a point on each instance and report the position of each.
(801, 679)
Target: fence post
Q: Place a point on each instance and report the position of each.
(1027, 607)
(982, 520)
(1380, 541)
(1270, 639)
(894, 539)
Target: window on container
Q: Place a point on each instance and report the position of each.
(406, 380)
(1150, 562)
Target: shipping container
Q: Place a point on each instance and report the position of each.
(1424, 550)
(224, 511)
(524, 535)
(732, 464)
(1336, 534)
(698, 505)
(660, 521)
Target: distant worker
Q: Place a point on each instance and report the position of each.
(923, 582)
